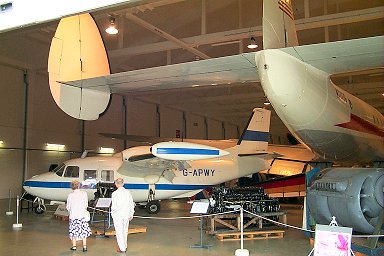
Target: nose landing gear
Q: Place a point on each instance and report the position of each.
(41, 208)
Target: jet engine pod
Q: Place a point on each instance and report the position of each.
(186, 151)
(353, 195)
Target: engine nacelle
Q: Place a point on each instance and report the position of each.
(354, 196)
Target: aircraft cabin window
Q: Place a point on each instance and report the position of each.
(107, 175)
(89, 174)
(72, 171)
(59, 170)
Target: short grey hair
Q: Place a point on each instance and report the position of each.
(119, 181)
(75, 184)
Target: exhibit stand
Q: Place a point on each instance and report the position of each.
(9, 212)
(103, 203)
(241, 251)
(200, 207)
(17, 224)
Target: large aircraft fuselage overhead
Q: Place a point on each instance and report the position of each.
(337, 126)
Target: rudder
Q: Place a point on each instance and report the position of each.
(256, 135)
(278, 24)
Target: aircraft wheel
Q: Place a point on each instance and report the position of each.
(153, 207)
(40, 209)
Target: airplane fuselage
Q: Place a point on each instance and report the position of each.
(336, 125)
(185, 182)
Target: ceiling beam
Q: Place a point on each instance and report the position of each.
(167, 36)
(243, 33)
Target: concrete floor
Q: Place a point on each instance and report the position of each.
(45, 235)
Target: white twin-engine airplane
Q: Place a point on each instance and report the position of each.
(334, 124)
(165, 170)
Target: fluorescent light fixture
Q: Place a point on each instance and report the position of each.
(52, 146)
(266, 102)
(1, 142)
(252, 44)
(112, 30)
(107, 150)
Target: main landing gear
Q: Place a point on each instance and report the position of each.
(153, 206)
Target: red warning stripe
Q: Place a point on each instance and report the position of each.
(286, 8)
(358, 124)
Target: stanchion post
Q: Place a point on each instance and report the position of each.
(9, 212)
(17, 224)
(241, 251)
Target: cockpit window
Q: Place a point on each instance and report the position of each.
(59, 170)
(72, 171)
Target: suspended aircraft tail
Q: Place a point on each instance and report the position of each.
(256, 134)
(278, 24)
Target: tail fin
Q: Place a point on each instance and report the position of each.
(278, 24)
(256, 134)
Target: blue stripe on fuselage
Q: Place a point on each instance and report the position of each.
(256, 136)
(45, 184)
(188, 151)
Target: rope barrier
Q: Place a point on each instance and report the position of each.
(278, 223)
(217, 214)
(170, 218)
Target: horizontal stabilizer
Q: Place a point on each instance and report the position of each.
(225, 70)
(342, 56)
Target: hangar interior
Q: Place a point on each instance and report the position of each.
(156, 33)
(152, 33)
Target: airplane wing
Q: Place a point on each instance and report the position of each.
(150, 140)
(146, 164)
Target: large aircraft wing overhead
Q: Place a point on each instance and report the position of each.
(342, 56)
(225, 70)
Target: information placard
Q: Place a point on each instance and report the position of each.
(103, 202)
(332, 241)
(199, 207)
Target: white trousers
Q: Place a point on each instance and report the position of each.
(121, 229)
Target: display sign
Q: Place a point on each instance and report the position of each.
(103, 202)
(332, 241)
(200, 207)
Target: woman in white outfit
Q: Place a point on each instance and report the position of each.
(77, 203)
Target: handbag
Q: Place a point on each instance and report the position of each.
(87, 216)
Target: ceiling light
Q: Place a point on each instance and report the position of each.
(252, 44)
(112, 30)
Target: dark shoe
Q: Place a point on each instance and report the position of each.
(118, 250)
(73, 248)
(85, 249)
